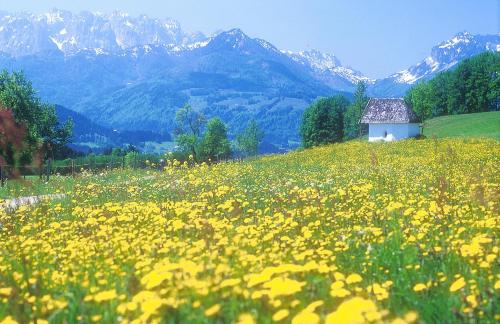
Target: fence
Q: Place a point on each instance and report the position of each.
(72, 167)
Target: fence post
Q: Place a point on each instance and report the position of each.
(1, 175)
(72, 168)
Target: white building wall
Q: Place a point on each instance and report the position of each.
(392, 132)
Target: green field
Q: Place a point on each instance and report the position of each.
(355, 232)
(468, 125)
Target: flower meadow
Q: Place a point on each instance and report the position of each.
(350, 233)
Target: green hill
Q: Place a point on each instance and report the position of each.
(485, 124)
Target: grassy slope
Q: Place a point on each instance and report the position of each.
(468, 125)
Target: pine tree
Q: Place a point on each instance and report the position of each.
(352, 127)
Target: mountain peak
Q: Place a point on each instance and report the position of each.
(234, 34)
(232, 39)
(463, 33)
(463, 37)
(28, 34)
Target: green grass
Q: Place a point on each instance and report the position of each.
(34, 186)
(468, 125)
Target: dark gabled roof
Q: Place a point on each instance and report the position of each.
(391, 111)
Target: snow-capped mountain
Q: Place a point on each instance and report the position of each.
(133, 73)
(328, 68)
(442, 57)
(25, 33)
(230, 75)
(119, 33)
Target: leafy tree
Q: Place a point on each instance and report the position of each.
(189, 121)
(473, 86)
(189, 125)
(323, 121)
(215, 144)
(421, 100)
(45, 137)
(352, 127)
(248, 141)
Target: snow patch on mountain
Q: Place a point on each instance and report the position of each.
(352, 75)
(60, 45)
(463, 38)
(327, 63)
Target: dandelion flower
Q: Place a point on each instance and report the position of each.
(419, 287)
(212, 310)
(281, 314)
(457, 285)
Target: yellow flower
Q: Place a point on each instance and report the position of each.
(281, 314)
(411, 317)
(379, 291)
(131, 306)
(419, 287)
(339, 292)
(312, 306)
(8, 320)
(230, 282)
(151, 305)
(353, 278)
(246, 318)
(212, 310)
(471, 299)
(283, 287)
(105, 295)
(337, 285)
(457, 285)
(5, 291)
(306, 317)
(339, 276)
(351, 311)
(155, 278)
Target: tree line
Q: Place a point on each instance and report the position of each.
(473, 86)
(30, 131)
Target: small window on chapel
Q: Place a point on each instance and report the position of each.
(385, 133)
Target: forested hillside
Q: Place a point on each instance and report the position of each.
(474, 86)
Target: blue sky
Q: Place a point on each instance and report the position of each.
(377, 37)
